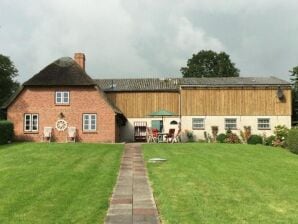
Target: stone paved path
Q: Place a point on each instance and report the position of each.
(132, 200)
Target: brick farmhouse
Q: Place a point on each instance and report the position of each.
(62, 95)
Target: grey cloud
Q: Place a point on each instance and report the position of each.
(142, 38)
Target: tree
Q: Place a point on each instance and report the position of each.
(8, 73)
(210, 64)
(294, 79)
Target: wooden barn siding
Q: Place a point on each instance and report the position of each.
(140, 104)
(229, 101)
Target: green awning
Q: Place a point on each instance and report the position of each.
(162, 113)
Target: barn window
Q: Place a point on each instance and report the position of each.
(62, 97)
(198, 123)
(263, 123)
(31, 122)
(231, 123)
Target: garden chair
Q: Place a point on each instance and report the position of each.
(47, 134)
(170, 135)
(71, 134)
(155, 134)
(177, 137)
(149, 135)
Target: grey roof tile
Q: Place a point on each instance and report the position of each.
(110, 85)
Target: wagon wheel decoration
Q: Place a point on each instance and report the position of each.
(61, 125)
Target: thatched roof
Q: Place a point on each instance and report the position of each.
(62, 72)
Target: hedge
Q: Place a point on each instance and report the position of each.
(293, 140)
(6, 131)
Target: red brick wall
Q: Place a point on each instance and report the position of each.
(41, 100)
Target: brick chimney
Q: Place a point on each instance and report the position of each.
(80, 59)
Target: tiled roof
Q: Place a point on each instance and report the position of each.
(173, 84)
(234, 81)
(62, 72)
(137, 84)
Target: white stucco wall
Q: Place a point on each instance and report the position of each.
(127, 132)
(186, 124)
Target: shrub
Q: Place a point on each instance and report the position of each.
(221, 138)
(189, 135)
(293, 140)
(232, 138)
(269, 140)
(246, 133)
(281, 134)
(6, 132)
(255, 139)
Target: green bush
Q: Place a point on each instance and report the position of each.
(232, 138)
(269, 140)
(221, 138)
(255, 139)
(6, 132)
(189, 135)
(281, 134)
(293, 140)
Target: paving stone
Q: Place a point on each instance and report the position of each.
(119, 219)
(121, 201)
(140, 219)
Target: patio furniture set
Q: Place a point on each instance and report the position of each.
(152, 135)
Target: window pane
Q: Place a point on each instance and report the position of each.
(86, 127)
(34, 122)
(93, 127)
(65, 97)
(27, 122)
(86, 122)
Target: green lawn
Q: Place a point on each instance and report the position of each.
(224, 183)
(57, 183)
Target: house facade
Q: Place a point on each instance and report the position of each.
(111, 110)
(62, 95)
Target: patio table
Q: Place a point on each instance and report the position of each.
(161, 137)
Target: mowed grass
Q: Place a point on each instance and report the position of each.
(224, 183)
(57, 183)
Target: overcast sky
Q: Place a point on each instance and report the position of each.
(142, 38)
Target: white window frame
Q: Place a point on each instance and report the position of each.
(198, 123)
(262, 123)
(88, 125)
(32, 126)
(228, 123)
(64, 99)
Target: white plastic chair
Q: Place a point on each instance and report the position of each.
(71, 134)
(47, 134)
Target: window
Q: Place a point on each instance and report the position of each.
(263, 123)
(31, 122)
(231, 123)
(89, 122)
(62, 97)
(198, 123)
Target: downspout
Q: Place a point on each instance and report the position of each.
(180, 103)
